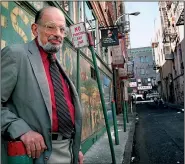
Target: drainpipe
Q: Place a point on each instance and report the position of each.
(97, 37)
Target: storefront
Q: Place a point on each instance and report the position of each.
(16, 20)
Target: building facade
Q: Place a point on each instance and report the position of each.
(168, 45)
(144, 74)
(16, 20)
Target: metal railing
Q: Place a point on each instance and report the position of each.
(178, 10)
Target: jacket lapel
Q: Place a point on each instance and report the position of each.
(38, 69)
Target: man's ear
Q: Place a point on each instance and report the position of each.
(34, 29)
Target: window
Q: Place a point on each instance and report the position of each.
(142, 71)
(147, 71)
(145, 81)
(93, 73)
(91, 23)
(138, 80)
(68, 8)
(146, 59)
(141, 59)
(39, 5)
(137, 71)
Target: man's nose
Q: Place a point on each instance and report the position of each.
(58, 32)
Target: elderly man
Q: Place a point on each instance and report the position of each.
(40, 105)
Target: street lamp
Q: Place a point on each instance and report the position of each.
(128, 14)
(135, 14)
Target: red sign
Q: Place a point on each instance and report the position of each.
(79, 35)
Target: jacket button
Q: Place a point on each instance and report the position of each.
(46, 158)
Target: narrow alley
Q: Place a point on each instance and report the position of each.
(159, 138)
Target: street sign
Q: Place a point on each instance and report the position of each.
(133, 84)
(79, 35)
(144, 87)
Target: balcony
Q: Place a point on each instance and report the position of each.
(124, 26)
(169, 55)
(169, 35)
(179, 13)
(173, 34)
(168, 4)
(166, 35)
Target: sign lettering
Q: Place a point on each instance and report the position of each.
(79, 35)
(109, 37)
(144, 87)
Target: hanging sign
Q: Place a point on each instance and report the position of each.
(144, 87)
(109, 37)
(117, 56)
(133, 84)
(79, 35)
(123, 72)
(130, 69)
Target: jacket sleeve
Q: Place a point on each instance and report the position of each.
(10, 123)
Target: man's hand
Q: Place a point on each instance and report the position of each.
(80, 158)
(34, 143)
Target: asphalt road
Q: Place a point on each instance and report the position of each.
(159, 136)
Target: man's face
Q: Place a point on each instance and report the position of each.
(50, 30)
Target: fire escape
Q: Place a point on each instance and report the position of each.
(169, 29)
(179, 13)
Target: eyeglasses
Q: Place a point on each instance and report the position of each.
(52, 28)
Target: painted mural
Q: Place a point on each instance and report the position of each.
(16, 28)
(15, 24)
(67, 58)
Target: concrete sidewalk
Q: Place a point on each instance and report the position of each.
(100, 152)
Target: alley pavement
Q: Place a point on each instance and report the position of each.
(159, 136)
(100, 152)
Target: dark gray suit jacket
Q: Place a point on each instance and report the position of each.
(26, 98)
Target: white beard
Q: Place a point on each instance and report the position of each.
(49, 47)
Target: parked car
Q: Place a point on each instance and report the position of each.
(152, 96)
(137, 97)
